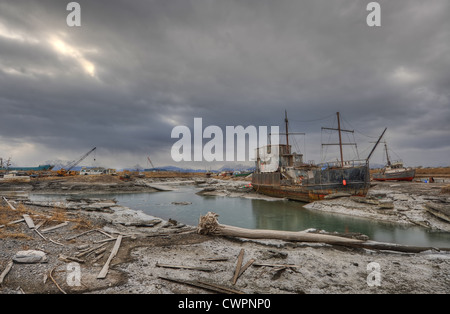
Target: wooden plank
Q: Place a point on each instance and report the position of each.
(9, 204)
(29, 221)
(54, 242)
(202, 285)
(12, 222)
(238, 266)
(111, 239)
(215, 259)
(40, 224)
(247, 265)
(184, 267)
(105, 269)
(6, 271)
(54, 227)
(276, 265)
(91, 250)
(40, 234)
(81, 234)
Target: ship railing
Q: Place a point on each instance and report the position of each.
(347, 164)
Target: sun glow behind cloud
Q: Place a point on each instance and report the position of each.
(67, 50)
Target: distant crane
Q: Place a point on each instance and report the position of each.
(148, 158)
(66, 171)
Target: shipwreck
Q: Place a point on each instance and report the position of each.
(283, 173)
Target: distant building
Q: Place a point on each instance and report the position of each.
(96, 171)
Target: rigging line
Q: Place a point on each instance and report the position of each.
(330, 133)
(313, 120)
(389, 149)
(357, 130)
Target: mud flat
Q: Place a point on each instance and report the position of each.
(76, 185)
(161, 257)
(402, 202)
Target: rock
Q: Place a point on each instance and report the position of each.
(181, 203)
(336, 195)
(365, 200)
(386, 204)
(30, 257)
(400, 197)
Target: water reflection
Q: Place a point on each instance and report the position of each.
(276, 215)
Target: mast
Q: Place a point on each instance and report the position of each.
(340, 130)
(340, 139)
(287, 132)
(387, 154)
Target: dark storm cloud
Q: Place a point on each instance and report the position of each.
(135, 69)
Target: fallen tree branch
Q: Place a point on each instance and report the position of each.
(209, 224)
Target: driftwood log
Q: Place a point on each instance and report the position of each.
(209, 225)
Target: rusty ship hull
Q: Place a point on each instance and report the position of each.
(316, 184)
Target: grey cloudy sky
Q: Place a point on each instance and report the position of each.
(135, 69)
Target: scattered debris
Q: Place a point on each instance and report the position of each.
(30, 257)
(5, 271)
(203, 285)
(54, 281)
(55, 227)
(184, 267)
(114, 251)
(29, 221)
(215, 259)
(9, 204)
(238, 266)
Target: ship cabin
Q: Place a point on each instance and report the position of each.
(272, 158)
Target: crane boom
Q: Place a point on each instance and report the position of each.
(66, 170)
(148, 158)
(376, 144)
(75, 163)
